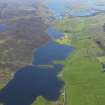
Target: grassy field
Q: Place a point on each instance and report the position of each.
(84, 79)
(83, 73)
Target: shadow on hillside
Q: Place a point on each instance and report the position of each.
(31, 82)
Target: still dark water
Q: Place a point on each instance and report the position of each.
(53, 33)
(32, 81)
(51, 52)
(3, 27)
